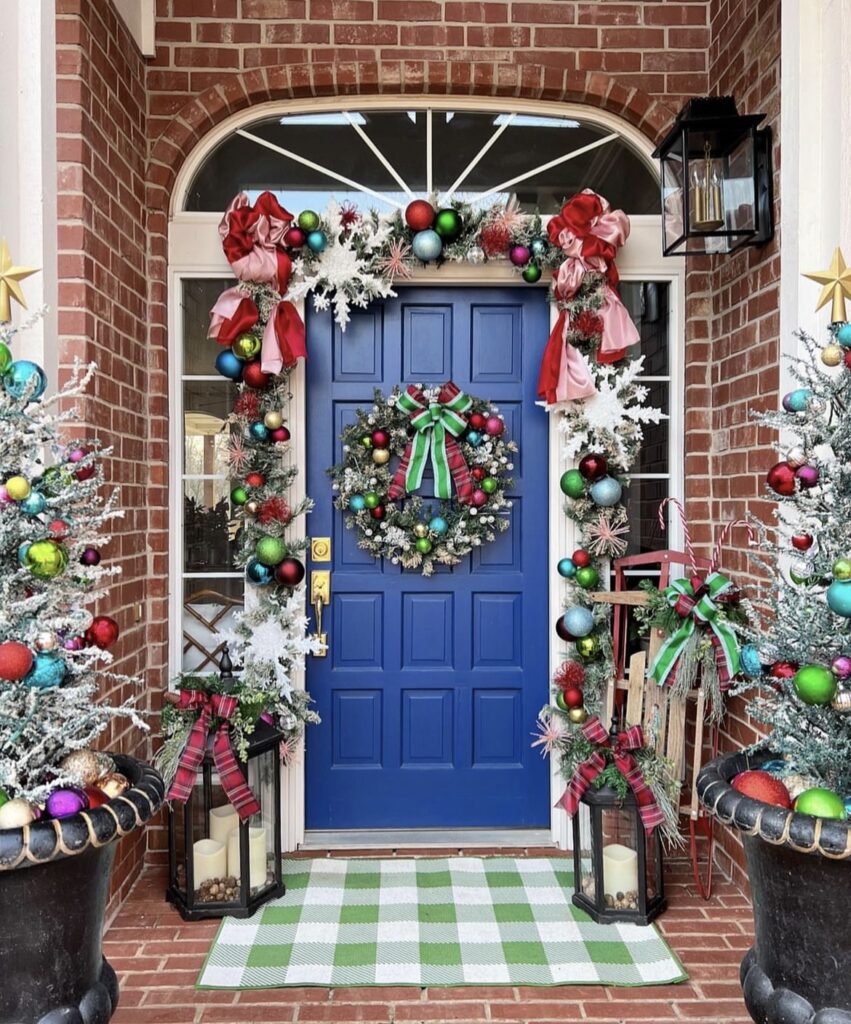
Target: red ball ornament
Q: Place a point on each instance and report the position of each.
(290, 572)
(102, 633)
(295, 238)
(802, 541)
(847, 358)
(762, 786)
(280, 434)
(477, 421)
(253, 375)
(97, 797)
(574, 697)
(419, 215)
(58, 529)
(494, 426)
(16, 659)
(478, 473)
(781, 478)
(380, 439)
(580, 558)
(783, 669)
(563, 632)
(593, 466)
(255, 480)
(85, 472)
(377, 512)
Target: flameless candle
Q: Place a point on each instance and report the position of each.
(256, 856)
(222, 821)
(620, 869)
(209, 860)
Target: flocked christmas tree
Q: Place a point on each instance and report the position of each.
(801, 649)
(53, 650)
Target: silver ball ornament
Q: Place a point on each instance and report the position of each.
(46, 641)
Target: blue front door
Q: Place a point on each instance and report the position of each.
(431, 686)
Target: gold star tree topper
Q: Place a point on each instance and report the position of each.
(837, 286)
(10, 282)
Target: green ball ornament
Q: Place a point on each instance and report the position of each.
(423, 545)
(587, 577)
(821, 803)
(815, 684)
(239, 496)
(270, 551)
(308, 220)
(366, 441)
(246, 346)
(572, 484)
(371, 499)
(561, 703)
(588, 647)
(448, 224)
(490, 484)
(46, 559)
(4, 796)
(531, 273)
(5, 363)
(842, 569)
(55, 479)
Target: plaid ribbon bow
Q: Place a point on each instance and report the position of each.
(220, 706)
(696, 601)
(437, 424)
(625, 741)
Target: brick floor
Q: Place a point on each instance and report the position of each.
(158, 956)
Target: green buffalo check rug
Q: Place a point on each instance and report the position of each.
(432, 922)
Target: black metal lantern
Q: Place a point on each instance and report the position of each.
(716, 179)
(618, 870)
(218, 865)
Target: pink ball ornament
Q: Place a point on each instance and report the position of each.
(841, 666)
(281, 434)
(295, 238)
(807, 475)
(73, 643)
(494, 426)
(519, 255)
(479, 498)
(76, 455)
(90, 556)
(4, 496)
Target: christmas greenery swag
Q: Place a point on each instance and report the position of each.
(384, 455)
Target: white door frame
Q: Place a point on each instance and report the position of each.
(195, 251)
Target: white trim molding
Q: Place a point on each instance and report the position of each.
(140, 18)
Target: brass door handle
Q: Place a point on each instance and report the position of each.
(320, 595)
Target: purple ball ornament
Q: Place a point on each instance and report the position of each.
(73, 643)
(63, 802)
(841, 666)
(76, 455)
(90, 556)
(519, 255)
(807, 475)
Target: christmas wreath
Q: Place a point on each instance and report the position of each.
(385, 454)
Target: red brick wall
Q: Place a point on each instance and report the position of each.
(102, 316)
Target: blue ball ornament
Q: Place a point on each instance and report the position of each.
(843, 335)
(34, 503)
(228, 365)
(749, 661)
(796, 401)
(777, 767)
(474, 438)
(22, 551)
(316, 241)
(578, 621)
(438, 524)
(839, 598)
(258, 573)
(538, 246)
(606, 491)
(357, 503)
(259, 431)
(48, 670)
(566, 568)
(17, 379)
(427, 245)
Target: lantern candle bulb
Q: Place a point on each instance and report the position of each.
(620, 869)
(222, 822)
(209, 860)
(707, 206)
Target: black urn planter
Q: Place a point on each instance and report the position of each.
(800, 873)
(54, 883)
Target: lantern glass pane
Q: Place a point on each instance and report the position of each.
(212, 828)
(620, 860)
(179, 874)
(651, 875)
(739, 193)
(261, 779)
(586, 884)
(673, 195)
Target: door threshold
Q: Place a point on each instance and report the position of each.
(417, 838)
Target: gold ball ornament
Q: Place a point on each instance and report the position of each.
(252, 507)
(421, 530)
(578, 715)
(16, 813)
(273, 420)
(83, 765)
(18, 488)
(46, 641)
(246, 346)
(380, 456)
(832, 355)
(113, 784)
(841, 703)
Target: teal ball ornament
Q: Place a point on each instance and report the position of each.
(606, 491)
(316, 241)
(839, 598)
(308, 220)
(259, 431)
(531, 273)
(572, 483)
(843, 335)
(357, 503)
(538, 246)
(448, 224)
(815, 684)
(437, 524)
(258, 573)
(19, 377)
(228, 365)
(749, 661)
(821, 803)
(22, 551)
(48, 671)
(796, 401)
(474, 438)
(578, 621)
(33, 504)
(427, 245)
(566, 568)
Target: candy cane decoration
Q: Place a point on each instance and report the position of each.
(715, 561)
(684, 523)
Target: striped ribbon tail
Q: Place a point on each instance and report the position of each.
(196, 744)
(582, 779)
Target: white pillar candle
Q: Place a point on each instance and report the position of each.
(209, 860)
(222, 821)
(256, 856)
(620, 869)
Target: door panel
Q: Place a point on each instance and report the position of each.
(430, 688)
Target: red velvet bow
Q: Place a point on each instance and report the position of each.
(212, 706)
(621, 753)
(578, 216)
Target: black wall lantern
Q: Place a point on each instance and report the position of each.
(716, 180)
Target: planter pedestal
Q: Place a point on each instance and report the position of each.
(800, 871)
(54, 884)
